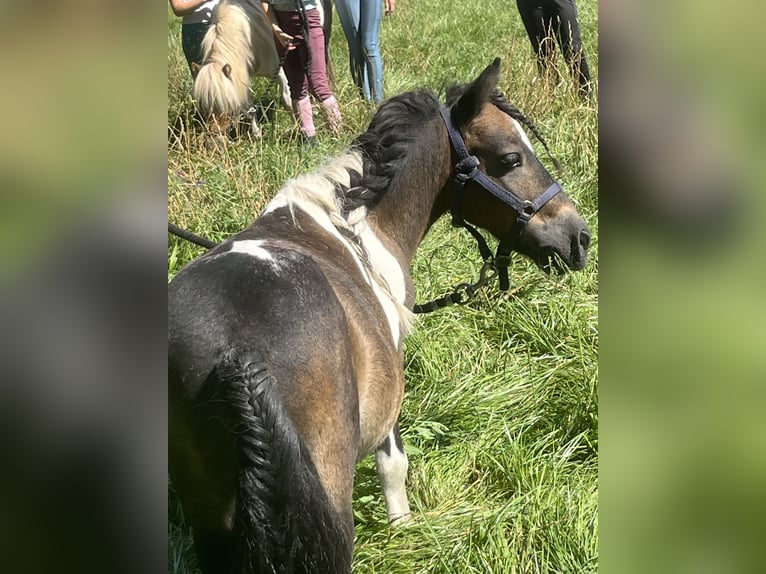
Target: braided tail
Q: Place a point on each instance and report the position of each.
(284, 522)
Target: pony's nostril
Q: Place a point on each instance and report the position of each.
(584, 240)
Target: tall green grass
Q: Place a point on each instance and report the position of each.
(500, 412)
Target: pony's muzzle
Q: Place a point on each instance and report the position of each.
(579, 249)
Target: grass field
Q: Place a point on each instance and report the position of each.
(500, 412)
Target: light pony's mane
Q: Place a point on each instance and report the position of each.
(317, 194)
(241, 37)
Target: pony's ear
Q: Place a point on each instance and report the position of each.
(226, 70)
(470, 103)
(195, 68)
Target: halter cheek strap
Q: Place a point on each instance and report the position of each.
(467, 169)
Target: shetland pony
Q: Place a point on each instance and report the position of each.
(285, 341)
(238, 45)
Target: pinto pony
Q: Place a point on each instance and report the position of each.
(285, 341)
(237, 46)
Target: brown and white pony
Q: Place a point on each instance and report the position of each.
(238, 45)
(285, 341)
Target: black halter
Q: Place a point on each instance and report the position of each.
(466, 169)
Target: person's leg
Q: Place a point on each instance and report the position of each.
(294, 66)
(191, 42)
(348, 14)
(319, 85)
(369, 27)
(531, 12)
(294, 63)
(568, 34)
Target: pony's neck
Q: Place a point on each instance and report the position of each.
(413, 202)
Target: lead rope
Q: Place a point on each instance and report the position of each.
(462, 292)
(190, 237)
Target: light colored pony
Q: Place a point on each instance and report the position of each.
(238, 45)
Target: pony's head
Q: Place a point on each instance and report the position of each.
(221, 95)
(551, 232)
(229, 57)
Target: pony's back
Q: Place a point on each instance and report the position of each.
(265, 61)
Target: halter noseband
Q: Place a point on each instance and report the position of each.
(467, 169)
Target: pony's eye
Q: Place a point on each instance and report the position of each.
(511, 161)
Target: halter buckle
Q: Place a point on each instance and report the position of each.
(524, 214)
(462, 293)
(466, 167)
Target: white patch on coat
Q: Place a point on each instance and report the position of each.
(389, 269)
(392, 471)
(252, 247)
(257, 248)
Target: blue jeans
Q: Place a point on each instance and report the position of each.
(360, 20)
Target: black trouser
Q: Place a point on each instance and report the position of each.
(191, 41)
(546, 18)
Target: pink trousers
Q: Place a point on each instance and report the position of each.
(305, 74)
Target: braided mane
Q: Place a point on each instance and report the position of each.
(395, 128)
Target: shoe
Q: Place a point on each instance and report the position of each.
(303, 114)
(332, 114)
